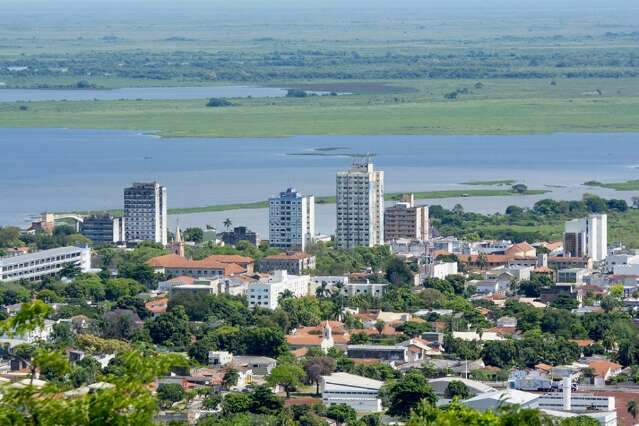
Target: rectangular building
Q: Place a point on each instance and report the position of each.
(35, 266)
(360, 206)
(103, 229)
(587, 237)
(145, 215)
(291, 220)
(266, 293)
(360, 393)
(240, 233)
(405, 220)
(295, 263)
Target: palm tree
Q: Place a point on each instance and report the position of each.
(286, 294)
(632, 408)
(227, 223)
(323, 291)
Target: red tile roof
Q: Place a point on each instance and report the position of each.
(298, 255)
(231, 258)
(582, 343)
(157, 306)
(175, 261)
(601, 366)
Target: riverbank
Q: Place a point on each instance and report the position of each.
(330, 199)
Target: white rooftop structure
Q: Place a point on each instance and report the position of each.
(360, 393)
(493, 400)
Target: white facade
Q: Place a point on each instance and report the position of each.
(360, 207)
(615, 263)
(360, 393)
(354, 289)
(291, 220)
(587, 237)
(265, 293)
(440, 270)
(34, 266)
(145, 213)
(578, 402)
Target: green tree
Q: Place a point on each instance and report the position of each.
(235, 402)
(170, 392)
(406, 393)
(171, 328)
(341, 413)
(457, 389)
(288, 376)
(230, 378)
(194, 234)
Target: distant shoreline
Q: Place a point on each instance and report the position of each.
(330, 199)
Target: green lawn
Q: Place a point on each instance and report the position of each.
(506, 108)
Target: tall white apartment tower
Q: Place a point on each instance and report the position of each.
(587, 237)
(291, 220)
(145, 212)
(360, 206)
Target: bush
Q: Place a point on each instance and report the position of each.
(296, 93)
(218, 102)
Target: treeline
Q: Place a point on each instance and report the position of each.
(542, 222)
(464, 63)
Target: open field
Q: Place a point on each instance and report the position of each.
(499, 107)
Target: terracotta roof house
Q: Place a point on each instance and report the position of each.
(604, 370)
(295, 263)
(157, 306)
(244, 261)
(174, 265)
(520, 250)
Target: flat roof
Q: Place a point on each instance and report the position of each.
(12, 260)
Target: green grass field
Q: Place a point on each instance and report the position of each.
(630, 185)
(500, 107)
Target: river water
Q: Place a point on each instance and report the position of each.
(71, 169)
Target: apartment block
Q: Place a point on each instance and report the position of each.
(145, 213)
(360, 206)
(406, 220)
(291, 220)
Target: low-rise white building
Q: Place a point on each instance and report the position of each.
(439, 270)
(45, 263)
(360, 393)
(375, 290)
(578, 402)
(265, 293)
(619, 261)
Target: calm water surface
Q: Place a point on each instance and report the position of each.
(62, 169)
(133, 93)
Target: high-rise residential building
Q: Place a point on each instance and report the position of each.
(103, 229)
(405, 220)
(145, 213)
(291, 220)
(360, 206)
(587, 237)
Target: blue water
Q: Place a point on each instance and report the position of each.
(133, 93)
(63, 169)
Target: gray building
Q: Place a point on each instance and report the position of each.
(35, 266)
(145, 213)
(240, 233)
(103, 229)
(406, 220)
(386, 353)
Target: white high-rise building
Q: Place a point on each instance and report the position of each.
(587, 237)
(145, 213)
(360, 206)
(291, 220)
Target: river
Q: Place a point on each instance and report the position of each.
(71, 169)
